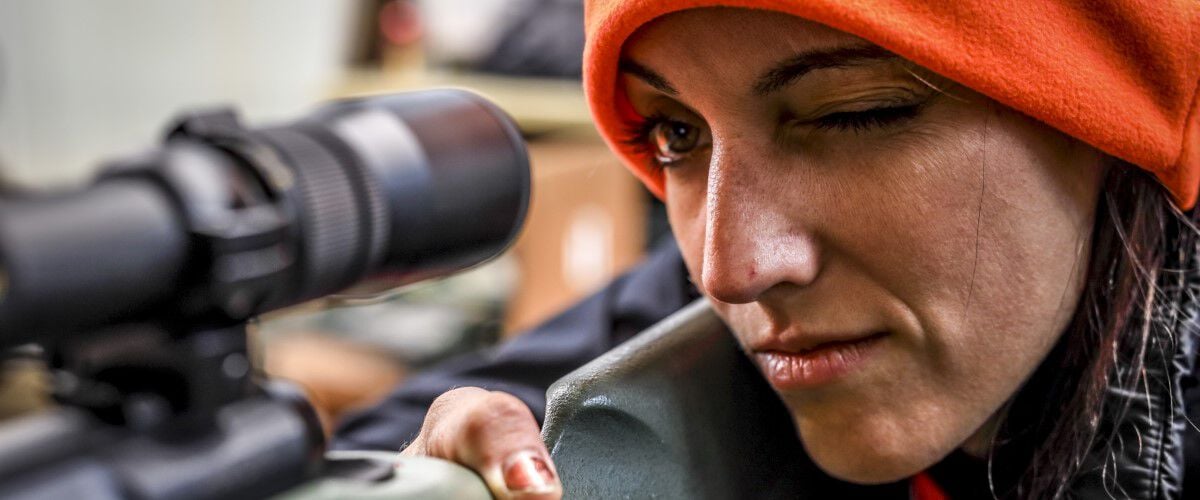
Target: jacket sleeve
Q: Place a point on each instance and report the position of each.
(528, 364)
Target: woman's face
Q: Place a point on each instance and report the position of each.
(896, 258)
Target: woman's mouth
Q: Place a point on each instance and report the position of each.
(816, 366)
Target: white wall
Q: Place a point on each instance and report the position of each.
(82, 80)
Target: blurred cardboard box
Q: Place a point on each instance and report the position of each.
(586, 225)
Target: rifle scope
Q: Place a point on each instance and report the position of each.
(225, 222)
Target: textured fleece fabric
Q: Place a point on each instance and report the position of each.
(1120, 75)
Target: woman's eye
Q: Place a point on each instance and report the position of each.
(673, 141)
(863, 120)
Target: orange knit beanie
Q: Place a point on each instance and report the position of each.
(1121, 75)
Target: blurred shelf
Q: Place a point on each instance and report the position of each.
(539, 105)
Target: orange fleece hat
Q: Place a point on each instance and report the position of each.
(1121, 75)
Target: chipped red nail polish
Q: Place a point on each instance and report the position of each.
(526, 471)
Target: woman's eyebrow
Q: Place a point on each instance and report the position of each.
(647, 75)
(793, 68)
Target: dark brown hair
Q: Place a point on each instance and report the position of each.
(1068, 422)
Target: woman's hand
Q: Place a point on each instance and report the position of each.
(496, 435)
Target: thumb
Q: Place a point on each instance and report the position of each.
(495, 434)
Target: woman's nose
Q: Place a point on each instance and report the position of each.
(756, 235)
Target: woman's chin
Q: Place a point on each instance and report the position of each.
(864, 471)
(860, 459)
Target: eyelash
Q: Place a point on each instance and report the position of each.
(638, 133)
(859, 121)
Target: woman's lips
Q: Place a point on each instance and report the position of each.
(809, 368)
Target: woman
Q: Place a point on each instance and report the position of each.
(923, 222)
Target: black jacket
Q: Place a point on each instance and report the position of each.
(527, 366)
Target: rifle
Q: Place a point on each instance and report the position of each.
(139, 287)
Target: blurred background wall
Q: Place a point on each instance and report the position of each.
(85, 80)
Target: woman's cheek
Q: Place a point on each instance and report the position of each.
(989, 259)
(685, 212)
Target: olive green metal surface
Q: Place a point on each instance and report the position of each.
(413, 478)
